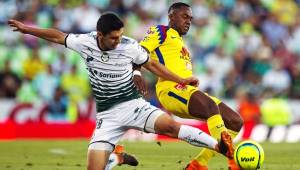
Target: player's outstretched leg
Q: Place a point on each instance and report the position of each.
(165, 125)
(224, 147)
(226, 120)
(234, 123)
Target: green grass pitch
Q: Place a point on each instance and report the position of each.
(71, 155)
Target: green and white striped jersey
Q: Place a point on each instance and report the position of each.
(110, 72)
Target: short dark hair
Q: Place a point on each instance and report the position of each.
(178, 5)
(109, 22)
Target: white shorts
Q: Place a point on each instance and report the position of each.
(113, 123)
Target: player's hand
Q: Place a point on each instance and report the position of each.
(191, 81)
(17, 25)
(140, 84)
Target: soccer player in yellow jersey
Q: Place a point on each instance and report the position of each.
(166, 46)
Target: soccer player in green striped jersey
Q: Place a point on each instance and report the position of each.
(109, 57)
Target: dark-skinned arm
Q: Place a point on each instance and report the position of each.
(161, 71)
(138, 80)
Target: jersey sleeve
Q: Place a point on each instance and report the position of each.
(156, 35)
(140, 55)
(74, 42)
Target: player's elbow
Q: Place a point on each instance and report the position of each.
(60, 40)
(56, 40)
(150, 65)
(136, 67)
(156, 68)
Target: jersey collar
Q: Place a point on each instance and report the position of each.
(175, 32)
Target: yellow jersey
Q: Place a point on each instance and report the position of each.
(166, 46)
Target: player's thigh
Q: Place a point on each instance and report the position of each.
(108, 131)
(215, 99)
(141, 115)
(97, 159)
(107, 134)
(203, 106)
(150, 119)
(176, 100)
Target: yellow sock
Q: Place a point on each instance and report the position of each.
(215, 126)
(204, 156)
(232, 133)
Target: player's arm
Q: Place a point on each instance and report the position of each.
(151, 41)
(52, 35)
(154, 38)
(161, 71)
(138, 80)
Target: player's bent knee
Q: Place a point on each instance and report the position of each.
(172, 130)
(101, 146)
(153, 122)
(232, 119)
(239, 122)
(165, 125)
(234, 122)
(97, 159)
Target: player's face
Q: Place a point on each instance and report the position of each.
(110, 40)
(181, 19)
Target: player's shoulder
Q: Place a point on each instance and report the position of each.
(127, 40)
(91, 36)
(77, 41)
(160, 29)
(130, 45)
(127, 43)
(86, 37)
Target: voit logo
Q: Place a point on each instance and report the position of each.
(104, 57)
(247, 159)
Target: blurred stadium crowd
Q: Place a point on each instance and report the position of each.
(240, 48)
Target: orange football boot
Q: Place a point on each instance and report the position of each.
(232, 165)
(194, 165)
(226, 145)
(123, 157)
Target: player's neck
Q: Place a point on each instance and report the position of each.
(101, 45)
(174, 28)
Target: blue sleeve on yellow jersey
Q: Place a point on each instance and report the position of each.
(156, 36)
(162, 33)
